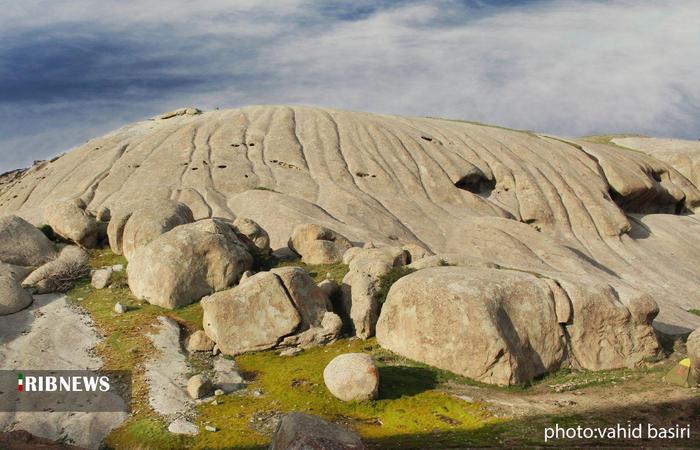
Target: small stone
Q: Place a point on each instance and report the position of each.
(199, 342)
(257, 393)
(214, 402)
(247, 274)
(119, 308)
(182, 426)
(199, 386)
(100, 278)
(118, 267)
(219, 392)
(215, 351)
(211, 428)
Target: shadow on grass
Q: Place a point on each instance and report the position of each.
(399, 381)
(528, 432)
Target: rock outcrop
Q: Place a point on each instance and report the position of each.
(139, 223)
(299, 431)
(504, 326)
(551, 206)
(283, 307)
(253, 316)
(361, 285)
(318, 245)
(187, 263)
(70, 221)
(22, 244)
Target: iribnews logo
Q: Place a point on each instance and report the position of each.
(52, 383)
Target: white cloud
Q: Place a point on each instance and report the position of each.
(567, 67)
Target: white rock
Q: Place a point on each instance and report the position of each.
(119, 308)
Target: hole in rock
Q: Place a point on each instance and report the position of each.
(426, 138)
(476, 183)
(251, 144)
(221, 166)
(362, 174)
(194, 168)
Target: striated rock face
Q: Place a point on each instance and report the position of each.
(507, 327)
(516, 199)
(187, 263)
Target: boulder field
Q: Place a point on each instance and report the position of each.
(562, 252)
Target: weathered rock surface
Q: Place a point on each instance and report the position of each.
(100, 277)
(253, 232)
(166, 371)
(137, 224)
(317, 244)
(309, 299)
(52, 332)
(60, 274)
(187, 263)
(252, 316)
(299, 431)
(361, 285)
(352, 377)
(12, 297)
(70, 221)
(22, 244)
(682, 155)
(501, 326)
(693, 346)
(182, 426)
(546, 205)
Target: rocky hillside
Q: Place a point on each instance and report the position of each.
(579, 212)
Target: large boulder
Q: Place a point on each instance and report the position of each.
(502, 327)
(253, 316)
(299, 431)
(352, 377)
(309, 299)
(187, 263)
(137, 224)
(693, 346)
(318, 245)
(22, 244)
(70, 221)
(12, 297)
(254, 233)
(60, 274)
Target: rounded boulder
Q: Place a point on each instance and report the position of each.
(352, 377)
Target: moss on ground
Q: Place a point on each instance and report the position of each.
(694, 311)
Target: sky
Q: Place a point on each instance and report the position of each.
(73, 70)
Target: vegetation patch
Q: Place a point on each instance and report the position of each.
(318, 272)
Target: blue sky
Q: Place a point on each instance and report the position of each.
(72, 70)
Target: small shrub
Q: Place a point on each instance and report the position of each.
(64, 277)
(387, 280)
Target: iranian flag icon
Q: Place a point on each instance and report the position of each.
(20, 382)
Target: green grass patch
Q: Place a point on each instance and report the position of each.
(318, 272)
(409, 402)
(694, 311)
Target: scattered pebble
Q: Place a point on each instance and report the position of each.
(211, 428)
(119, 308)
(218, 392)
